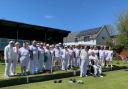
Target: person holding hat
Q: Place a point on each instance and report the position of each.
(8, 57)
(15, 60)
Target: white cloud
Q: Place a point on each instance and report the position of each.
(48, 16)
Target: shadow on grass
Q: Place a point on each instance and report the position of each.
(36, 78)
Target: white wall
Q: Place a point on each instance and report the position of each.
(91, 42)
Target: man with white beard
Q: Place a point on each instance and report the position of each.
(8, 57)
(34, 62)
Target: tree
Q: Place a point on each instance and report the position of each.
(108, 42)
(122, 27)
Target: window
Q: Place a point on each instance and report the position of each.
(86, 38)
(76, 39)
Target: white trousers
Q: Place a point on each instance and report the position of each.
(83, 67)
(13, 67)
(34, 64)
(102, 61)
(78, 61)
(41, 63)
(8, 68)
(75, 62)
(31, 66)
(70, 62)
(64, 63)
(97, 70)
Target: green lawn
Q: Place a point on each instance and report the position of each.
(112, 80)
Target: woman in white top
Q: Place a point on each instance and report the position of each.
(109, 57)
(84, 61)
(71, 53)
(24, 55)
(101, 56)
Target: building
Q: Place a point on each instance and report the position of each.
(17, 31)
(94, 36)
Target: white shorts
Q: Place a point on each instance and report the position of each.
(108, 58)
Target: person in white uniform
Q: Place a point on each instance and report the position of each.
(65, 58)
(90, 50)
(52, 55)
(72, 54)
(8, 57)
(57, 56)
(77, 55)
(96, 51)
(48, 58)
(24, 56)
(34, 62)
(15, 60)
(84, 61)
(41, 54)
(95, 64)
(101, 56)
(109, 57)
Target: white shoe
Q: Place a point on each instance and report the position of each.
(81, 76)
(107, 66)
(15, 74)
(11, 74)
(111, 66)
(101, 76)
(6, 76)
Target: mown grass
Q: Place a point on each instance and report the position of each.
(112, 80)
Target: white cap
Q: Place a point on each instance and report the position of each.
(47, 45)
(50, 46)
(17, 43)
(57, 45)
(10, 42)
(60, 43)
(41, 44)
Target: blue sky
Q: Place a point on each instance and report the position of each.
(73, 15)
